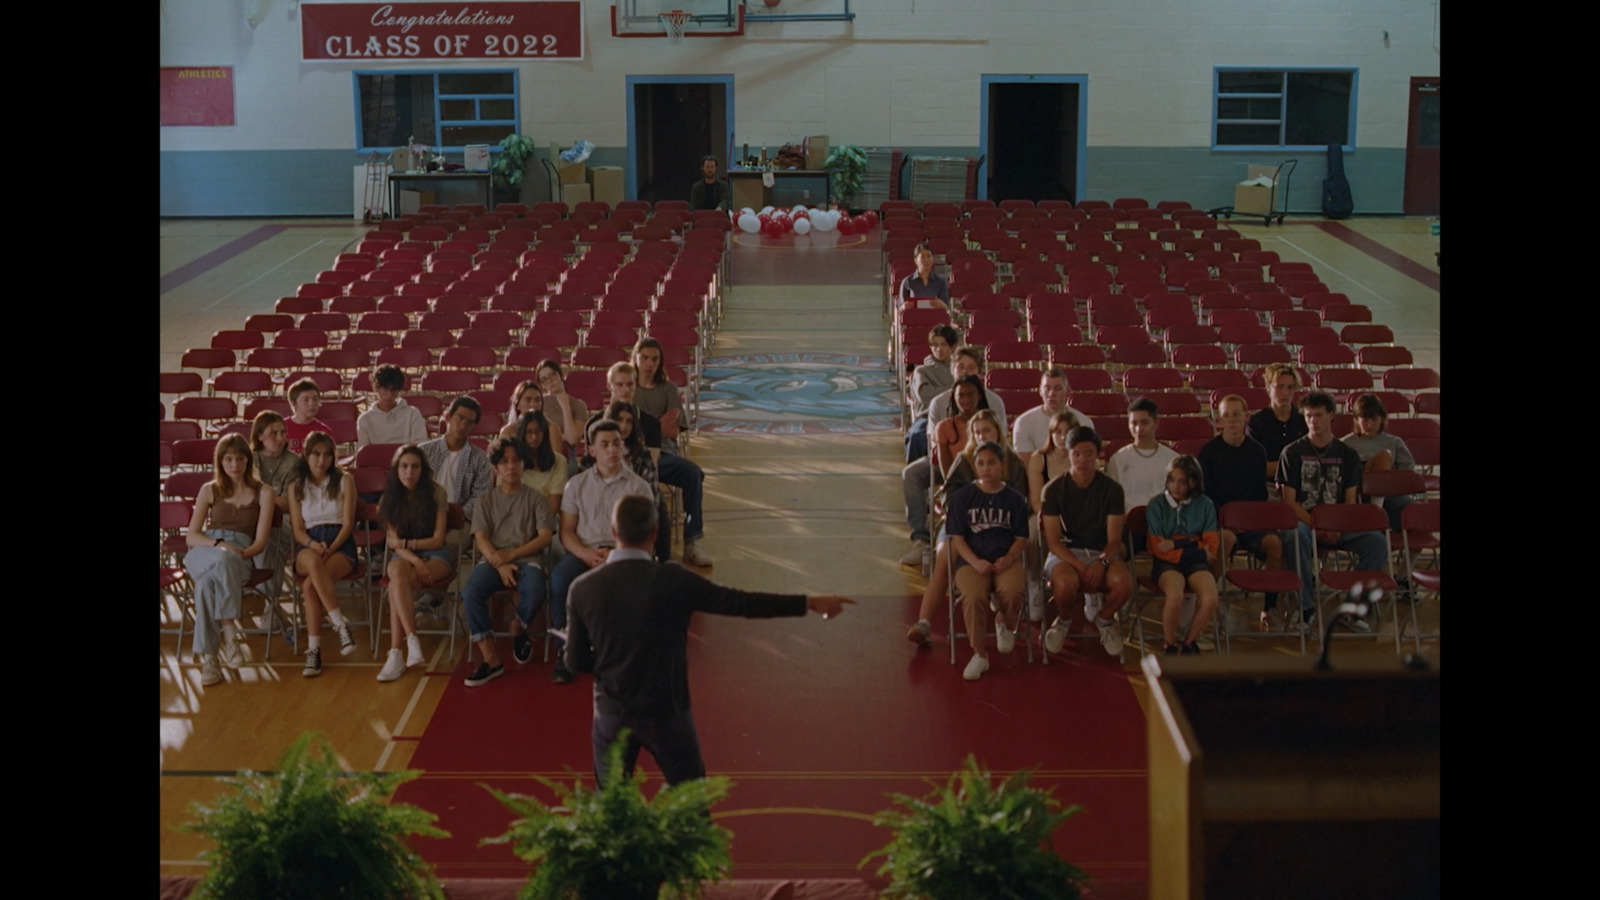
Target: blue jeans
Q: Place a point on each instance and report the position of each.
(1370, 547)
(673, 743)
(916, 440)
(219, 576)
(484, 582)
(566, 572)
(683, 473)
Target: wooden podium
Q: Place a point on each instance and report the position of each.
(1271, 779)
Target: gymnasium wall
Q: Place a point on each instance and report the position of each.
(905, 73)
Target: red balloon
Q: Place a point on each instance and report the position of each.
(872, 218)
(862, 223)
(803, 214)
(764, 218)
(772, 229)
(847, 225)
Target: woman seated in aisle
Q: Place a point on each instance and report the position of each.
(525, 399)
(988, 522)
(276, 466)
(229, 528)
(1380, 450)
(1183, 538)
(983, 428)
(414, 512)
(565, 412)
(951, 434)
(322, 515)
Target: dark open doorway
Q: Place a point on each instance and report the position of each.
(1033, 137)
(671, 125)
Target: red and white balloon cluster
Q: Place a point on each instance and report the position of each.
(802, 221)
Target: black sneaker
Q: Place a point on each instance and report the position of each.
(522, 647)
(313, 664)
(483, 674)
(561, 675)
(1190, 649)
(1169, 649)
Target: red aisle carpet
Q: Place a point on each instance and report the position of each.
(815, 721)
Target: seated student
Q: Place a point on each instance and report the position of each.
(304, 399)
(1280, 424)
(512, 524)
(542, 469)
(988, 522)
(674, 470)
(525, 399)
(951, 434)
(1232, 463)
(322, 513)
(1380, 450)
(1316, 469)
(276, 466)
(457, 464)
(586, 520)
(565, 412)
(1141, 467)
(1031, 433)
(1183, 544)
(414, 511)
(232, 517)
(1051, 460)
(655, 394)
(918, 475)
(390, 420)
(924, 287)
(929, 379)
(1083, 519)
(984, 428)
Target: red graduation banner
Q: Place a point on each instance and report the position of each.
(539, 29)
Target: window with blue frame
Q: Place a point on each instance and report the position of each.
(445, 110)
(1299, 109)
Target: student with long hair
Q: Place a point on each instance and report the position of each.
(322, 515)
(276, 466)
(525, 399)
(1183, 538)
(543, 468)
(567, 413)
(414, 511)
(988, 524)
(229, 528)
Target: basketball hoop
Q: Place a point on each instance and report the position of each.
(674, 22)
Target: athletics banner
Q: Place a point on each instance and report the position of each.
(197, 95)
(429, 30)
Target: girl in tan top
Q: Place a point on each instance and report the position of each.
(239, 509)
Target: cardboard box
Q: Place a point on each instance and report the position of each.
(568, 173)
(1254, 195)
(476, 157)
(816, 151)
(575, 193)
(411, 201)
(605, 182)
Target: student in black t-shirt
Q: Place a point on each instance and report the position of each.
(1083, 519)
(1280, 424)
(1232, 463)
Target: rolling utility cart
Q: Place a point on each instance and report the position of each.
(1252, 199)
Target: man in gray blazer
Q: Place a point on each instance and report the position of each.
(628, 623)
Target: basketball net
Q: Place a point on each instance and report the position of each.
(674, 21)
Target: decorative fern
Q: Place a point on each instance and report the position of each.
(971, 838)
(313, 830)
(846, 165)
(613, 843)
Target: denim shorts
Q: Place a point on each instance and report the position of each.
(327, 533)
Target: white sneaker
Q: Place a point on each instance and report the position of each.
(210, 673)
(693, 555)
(1110, 637)
(394, 667)
(1356, 624)
(347, 644)
(1005, 640)
(1054, 637)
(913, 556)
(1092, 604)
(976, 668)
(414, 651)
(233, 652)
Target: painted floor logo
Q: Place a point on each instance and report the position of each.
(798, 393)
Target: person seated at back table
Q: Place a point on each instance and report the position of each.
(924, 286)
(709, 192)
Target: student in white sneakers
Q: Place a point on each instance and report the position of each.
(322, 515)
(988, 525)
(1083, 520)
(414, 511)
(238, 509)
(512, 524)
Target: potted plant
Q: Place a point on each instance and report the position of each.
(313, 830)
(516, 150)
(846, 165)
(972, 838)
(613, 844)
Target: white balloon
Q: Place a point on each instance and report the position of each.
(747, 211)
(766, 209)
(800, 208)
(749, 224)
(802, 226)
(822, 222)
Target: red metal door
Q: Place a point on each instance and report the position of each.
(1422, 149)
